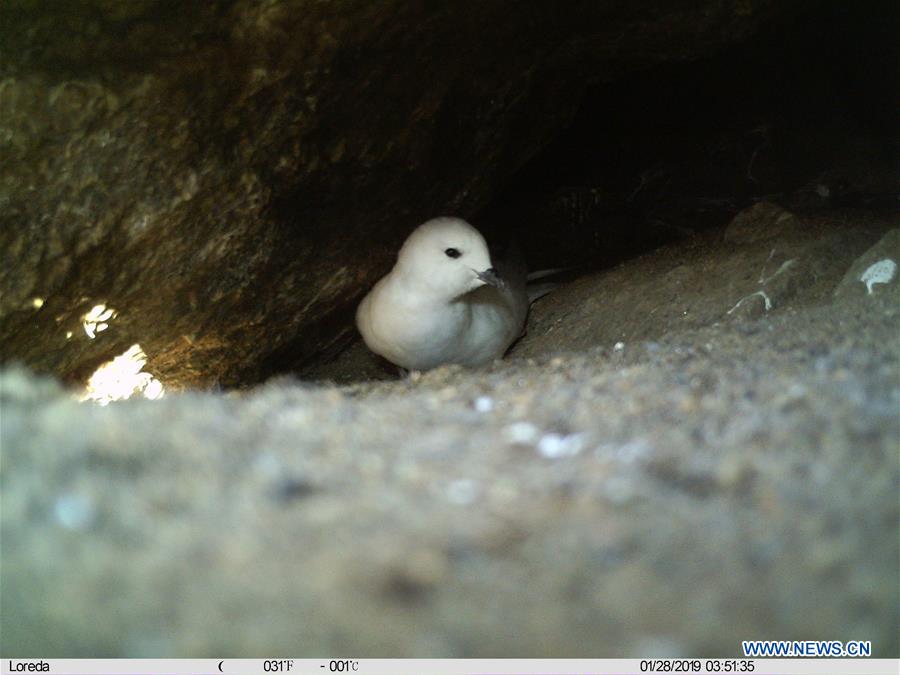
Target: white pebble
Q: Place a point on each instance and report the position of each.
(619, 346)
(879, 273)
(73, 512)
(520, 433)
(554, 446)
(484, 404)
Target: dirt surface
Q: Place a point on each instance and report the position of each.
(662, 466)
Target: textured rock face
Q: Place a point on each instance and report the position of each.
(227, 176)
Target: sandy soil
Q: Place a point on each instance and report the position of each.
(662, 466)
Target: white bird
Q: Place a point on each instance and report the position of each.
(444, 301)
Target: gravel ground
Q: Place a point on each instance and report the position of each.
(650, 472)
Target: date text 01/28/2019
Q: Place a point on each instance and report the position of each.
(697, 666)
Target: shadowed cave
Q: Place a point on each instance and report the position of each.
(694, 443)
(803, 115)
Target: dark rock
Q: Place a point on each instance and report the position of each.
(230, 177)
(760, 222)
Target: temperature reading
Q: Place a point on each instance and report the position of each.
(343, 666)
(278, 665)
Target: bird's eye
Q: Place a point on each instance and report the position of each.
(452, 253)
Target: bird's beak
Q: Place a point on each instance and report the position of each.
(490, 276)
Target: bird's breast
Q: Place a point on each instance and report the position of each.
(414, 335)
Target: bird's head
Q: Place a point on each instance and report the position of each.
(447, 257)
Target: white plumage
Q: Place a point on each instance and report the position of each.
(444, 301)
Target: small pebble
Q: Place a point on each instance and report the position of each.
(520, 433)
(619, 346)
(73, 512)
(554, 446)
(484, 404)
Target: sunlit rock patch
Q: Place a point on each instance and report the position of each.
(121, 378)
